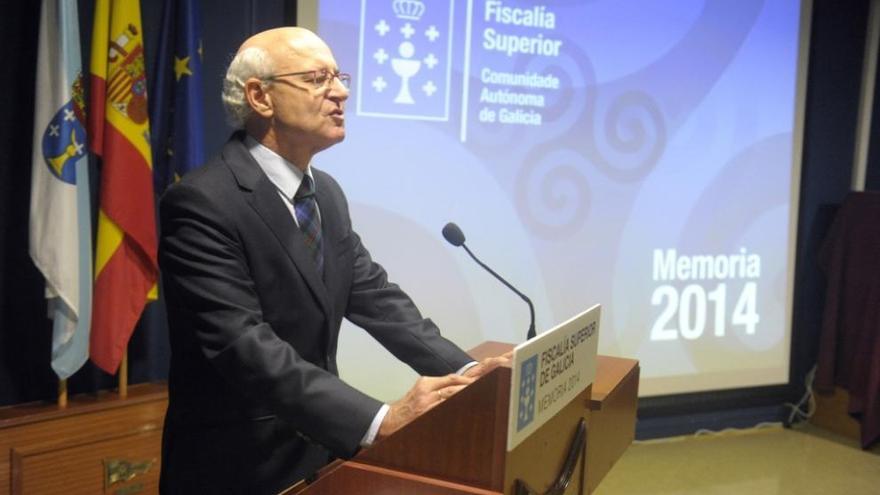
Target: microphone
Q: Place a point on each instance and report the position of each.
(455, 236)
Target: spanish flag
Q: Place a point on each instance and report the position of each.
(126, 270)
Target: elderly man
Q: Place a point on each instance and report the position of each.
(260, 264)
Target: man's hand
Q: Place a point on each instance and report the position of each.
(488, 364)
(425, 394)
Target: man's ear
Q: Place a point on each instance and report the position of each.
(258, 98)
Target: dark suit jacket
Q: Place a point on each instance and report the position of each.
(254, 398)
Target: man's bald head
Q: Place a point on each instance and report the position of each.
(260, 56)
(283, 42)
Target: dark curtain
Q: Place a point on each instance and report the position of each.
(24, 329)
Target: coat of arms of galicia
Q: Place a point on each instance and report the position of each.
(64, 138)
(404, 64)
(527, 387)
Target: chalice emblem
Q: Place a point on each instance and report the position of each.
(405, 67)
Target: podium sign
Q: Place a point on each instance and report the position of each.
(549, 371)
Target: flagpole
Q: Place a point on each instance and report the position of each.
(62, 393)
(60, 218)
(123, 375)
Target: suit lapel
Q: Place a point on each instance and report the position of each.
(263, 196)
(333, 231)
(330, 223)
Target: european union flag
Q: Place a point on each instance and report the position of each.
(176, 97)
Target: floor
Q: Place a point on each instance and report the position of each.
(768, 460)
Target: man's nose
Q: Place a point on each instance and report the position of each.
(338, 91)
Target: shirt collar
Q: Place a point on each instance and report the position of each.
(285, 175)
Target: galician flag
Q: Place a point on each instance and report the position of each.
(126, 270)
(60, 218)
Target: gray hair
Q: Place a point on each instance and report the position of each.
(250, 62)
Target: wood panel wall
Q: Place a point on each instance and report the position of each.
(97, 444)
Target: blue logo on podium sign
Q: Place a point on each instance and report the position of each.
(528, 379)
(404, 64)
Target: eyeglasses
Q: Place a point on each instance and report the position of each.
(320, 78)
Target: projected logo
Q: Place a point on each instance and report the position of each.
(404, 60)
(527, 385)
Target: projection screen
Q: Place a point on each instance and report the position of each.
(639, 154)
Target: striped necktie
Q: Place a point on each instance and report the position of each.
(306, 209)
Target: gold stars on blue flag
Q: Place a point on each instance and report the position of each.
(176, 113)
(181, 68)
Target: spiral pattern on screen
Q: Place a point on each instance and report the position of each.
(552, 194)
(631, 138)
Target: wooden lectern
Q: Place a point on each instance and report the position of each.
(459, 447)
